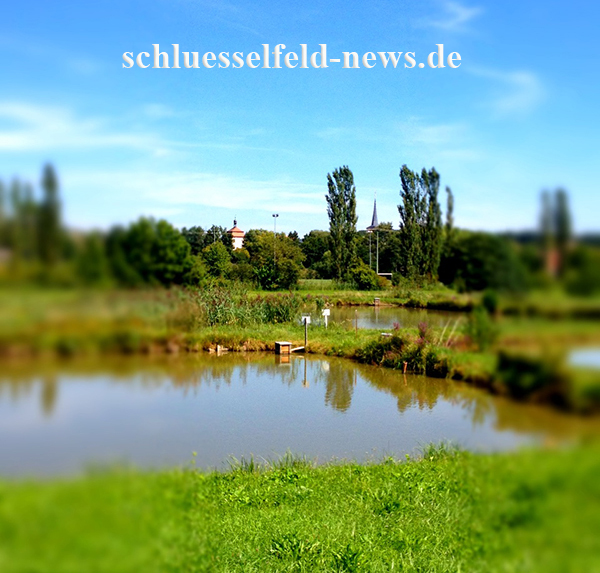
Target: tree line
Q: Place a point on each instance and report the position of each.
(425, 248)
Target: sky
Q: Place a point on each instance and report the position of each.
(201, 146)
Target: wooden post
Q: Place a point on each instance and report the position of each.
(356, 321)
(305, 335)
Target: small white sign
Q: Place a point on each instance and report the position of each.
(326, 312)
(305, 319)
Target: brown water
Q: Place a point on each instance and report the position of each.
(59, 417)
(385, 317)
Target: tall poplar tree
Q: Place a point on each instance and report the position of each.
(547, 222)
(562, 225)
(15, 232)
(49, 232)
(341, 208)
(411, 219)
(432, 231)
(449, 227)
(420, 223)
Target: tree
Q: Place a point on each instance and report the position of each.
(268, 273)
(274, 274)
(411, 219)
(92, 262)
(196, 238)
(582, 275)
(341, 208)
(363, 277)
(15, 229)
(120, 267)
(259, 244)
(420, 224)
(389, 248)
(315, 246)
(547, 223)
(199, 239)
(149, 252)
(49, 231)
(217, 259)
(218, 233)
(432, 231)
(482, 260)
(562, 224)
(449, 227)
(27, 221)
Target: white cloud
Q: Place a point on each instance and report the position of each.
(32, 47)
(417, 132)
(157, 111)
(30, 127)
(522, 91)
(456, 17)
(451, 140)
(159, 190)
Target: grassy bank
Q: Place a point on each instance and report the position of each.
(527, 511)
(550, 303)
(36, 323)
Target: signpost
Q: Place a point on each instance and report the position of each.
(306, 321)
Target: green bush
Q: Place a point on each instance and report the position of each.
(481, 328)
(525, 374)
(490, 301)
(376, 351)
(363, 277)
(478, 261)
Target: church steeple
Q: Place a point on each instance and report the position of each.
(374, 222)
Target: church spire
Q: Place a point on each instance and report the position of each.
(374, 222)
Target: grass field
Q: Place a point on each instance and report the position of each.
(526, 511)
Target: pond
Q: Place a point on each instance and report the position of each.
(385, 317)
(586, 358)
(59, 418)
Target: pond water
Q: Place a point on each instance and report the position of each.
(384, 317)
(586, 358)
(60, 417)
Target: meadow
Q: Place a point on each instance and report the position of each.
(445, 510)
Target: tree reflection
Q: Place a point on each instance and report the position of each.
(339, 384)
(21, 381)
(49, 395)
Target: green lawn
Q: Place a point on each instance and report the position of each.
(527, 511)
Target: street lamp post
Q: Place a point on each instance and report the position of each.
(275, 215)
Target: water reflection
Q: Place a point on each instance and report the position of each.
(384, 317)
(153, 411)
(586, 358)
(339, 381)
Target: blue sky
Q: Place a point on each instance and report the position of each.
(200, 146)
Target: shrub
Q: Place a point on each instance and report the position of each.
(376, 351)
(524, 374)
(363, 277)
(490, 301)
(480, 260)
(481, 329)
